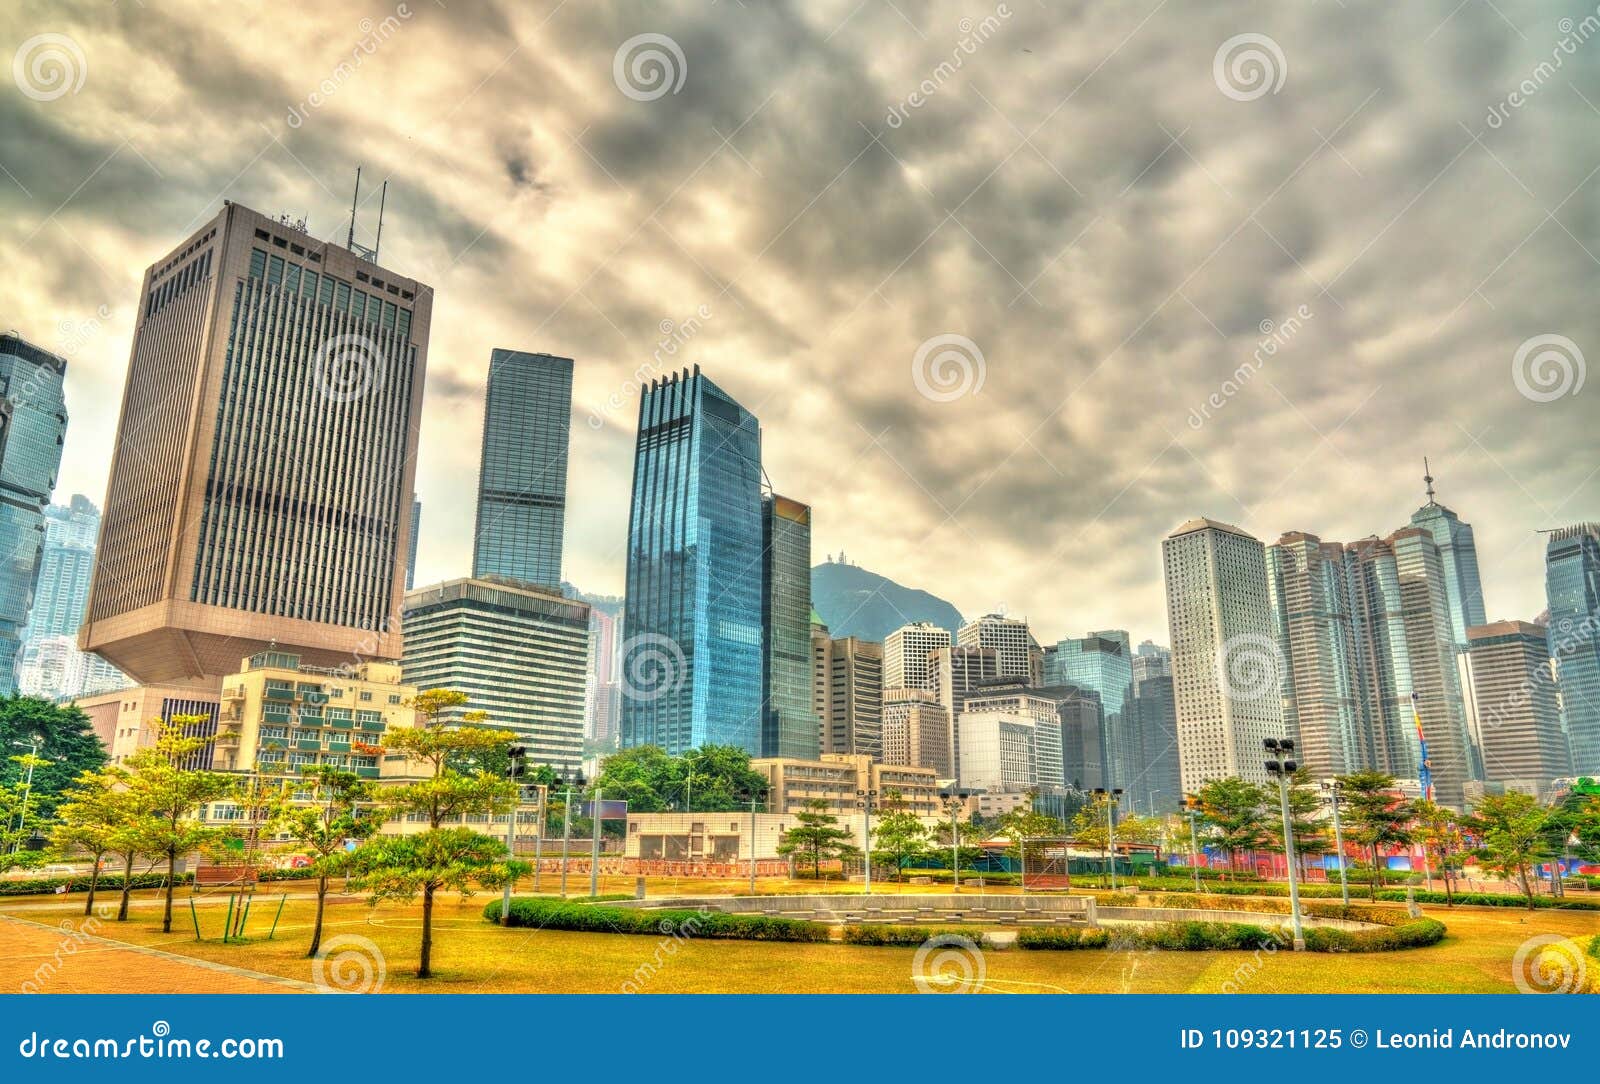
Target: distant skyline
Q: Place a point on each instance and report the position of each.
(991, 303)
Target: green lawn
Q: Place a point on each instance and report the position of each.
(471, 955)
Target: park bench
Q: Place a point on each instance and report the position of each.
(224, 876)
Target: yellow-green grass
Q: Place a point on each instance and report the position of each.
(471, 955)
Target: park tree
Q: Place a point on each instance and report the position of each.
(1439, 831)
(898, 835)
(644, 776)
(430, 862)
(1511, 829)
(958, 837)
(438, 858)
(817, 837)
(710, 779)
(89, 816)
(1025, 824)
(1236, 812)
(341, 808)
(1310, 830)
(66, 743)
(166, 795)
(1375, 817)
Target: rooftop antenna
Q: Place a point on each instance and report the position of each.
(378, 241)
(1427, 477)
(350, 239)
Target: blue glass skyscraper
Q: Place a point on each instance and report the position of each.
(1572, 586)
(1102, 662)
(33, 424)
(1458, 554)
(692, 625)
(522, 483)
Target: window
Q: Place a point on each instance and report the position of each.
(394, 698)
(365, 697)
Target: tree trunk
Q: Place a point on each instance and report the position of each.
(172, 873)
(424, 968)
(316, 928)
(127, 878)
(94, 883)
(1372, 882)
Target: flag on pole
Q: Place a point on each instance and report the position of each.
(1424, 769)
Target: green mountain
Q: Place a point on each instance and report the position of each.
(854, 602)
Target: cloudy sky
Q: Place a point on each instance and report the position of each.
(986, 273)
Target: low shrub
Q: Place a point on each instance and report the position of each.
(886, 935)
(1063, 939)
(109, 882)
(552, 914)
(1195, 936)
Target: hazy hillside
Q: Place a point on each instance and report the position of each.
(854, 602)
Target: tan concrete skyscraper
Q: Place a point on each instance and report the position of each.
(261, 483)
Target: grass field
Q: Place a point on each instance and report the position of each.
(471, 955)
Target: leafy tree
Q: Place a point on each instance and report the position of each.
(1026, 823)
(19, 823)
(962, 837)
(817, 836)
(710, 779)
(1305, 806)
(88, 819)
(898, 835)
(1235, 810)
(165, 798)
(1511, 831)
(1374, 817)
(1439, 831)
(644, 776)
(440, 859)
(67, 745)
(341, 809)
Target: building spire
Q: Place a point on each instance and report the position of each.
(1427, 477)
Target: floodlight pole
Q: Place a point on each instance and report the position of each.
(752, 845)
(594, 851)
(566, 839)
(1338, 843)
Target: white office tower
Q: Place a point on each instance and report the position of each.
(1013, 644)
(905, 654)
(1226, 665)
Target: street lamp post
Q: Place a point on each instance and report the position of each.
(953, 804)
(1192, 808)
(538, 836)
(594, 848)
(752, 844)
(566, 830)
(864, 801)
(1111, 797)
(1282, 768)
(1338, 841)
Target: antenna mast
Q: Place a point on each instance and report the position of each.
(1427, 477)
(378, 241)
(350, 239)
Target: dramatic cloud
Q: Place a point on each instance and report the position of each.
(1167, 278)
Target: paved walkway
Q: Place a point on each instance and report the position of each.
(64, 959)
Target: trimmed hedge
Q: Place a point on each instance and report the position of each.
(1385, 895)
(886, 935)
(109, 882)
(552, 914)
(1401, 930)
(1062, 940)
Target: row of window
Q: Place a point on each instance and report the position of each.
(327, 290)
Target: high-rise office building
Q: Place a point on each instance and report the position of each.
(1101, 662)
(853, 694)
(1514, 710)
(1458, 561)
(1572, 589)
(1150, 660)
(954, 672)
(1225, 665)
(1013, 644)
(788, 727)
(52, 666)
(262, 478)
(1404, 643)
(693, 610)
(518, 651)
(602, 691)
(916, 731)
(1157, 787)
(998, 750)
(1320, 677)
(33, 424)
(1082, 723)
(905, 654)
(522, 482)
(1014, 700)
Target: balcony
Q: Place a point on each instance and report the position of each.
(367, 773)
(308, 743)
(280, 694)
(372, 727)
(276, 717)
(342, 724)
